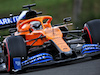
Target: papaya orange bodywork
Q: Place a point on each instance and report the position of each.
(51, 33)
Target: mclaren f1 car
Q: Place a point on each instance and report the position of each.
(35, 42)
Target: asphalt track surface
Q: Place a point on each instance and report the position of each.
(86, 66)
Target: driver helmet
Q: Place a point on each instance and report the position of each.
(35, 25)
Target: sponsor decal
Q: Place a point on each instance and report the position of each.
(90, 48)
(8, 20)
(40, 58)
(17, 63)
(90, 45)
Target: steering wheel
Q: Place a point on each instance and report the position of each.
(40, 19)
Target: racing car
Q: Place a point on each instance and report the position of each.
(35, 42)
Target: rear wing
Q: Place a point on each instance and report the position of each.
(8, 22)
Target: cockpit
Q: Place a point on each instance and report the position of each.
(35, 25)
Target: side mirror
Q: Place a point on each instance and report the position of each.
(66, 20)
(12, 30)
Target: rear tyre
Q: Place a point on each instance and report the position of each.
(14, 47)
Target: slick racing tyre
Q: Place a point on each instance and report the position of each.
(92, 30)
(14, 46)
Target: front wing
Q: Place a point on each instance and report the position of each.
(44, 59)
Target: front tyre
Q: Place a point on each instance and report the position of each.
(14, 46)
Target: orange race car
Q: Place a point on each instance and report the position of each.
(35, 42)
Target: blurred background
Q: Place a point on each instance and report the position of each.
(81, 11)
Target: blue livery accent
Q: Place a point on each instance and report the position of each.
(5, 21)
(22, 15)
(17, 63)
(90, 48)
(86, 52)
(0, 50)
(42, 61)
(39, 58)
(89, 45)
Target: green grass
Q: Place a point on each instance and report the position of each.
(58, 9)
(12, 6)
(90, 11)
